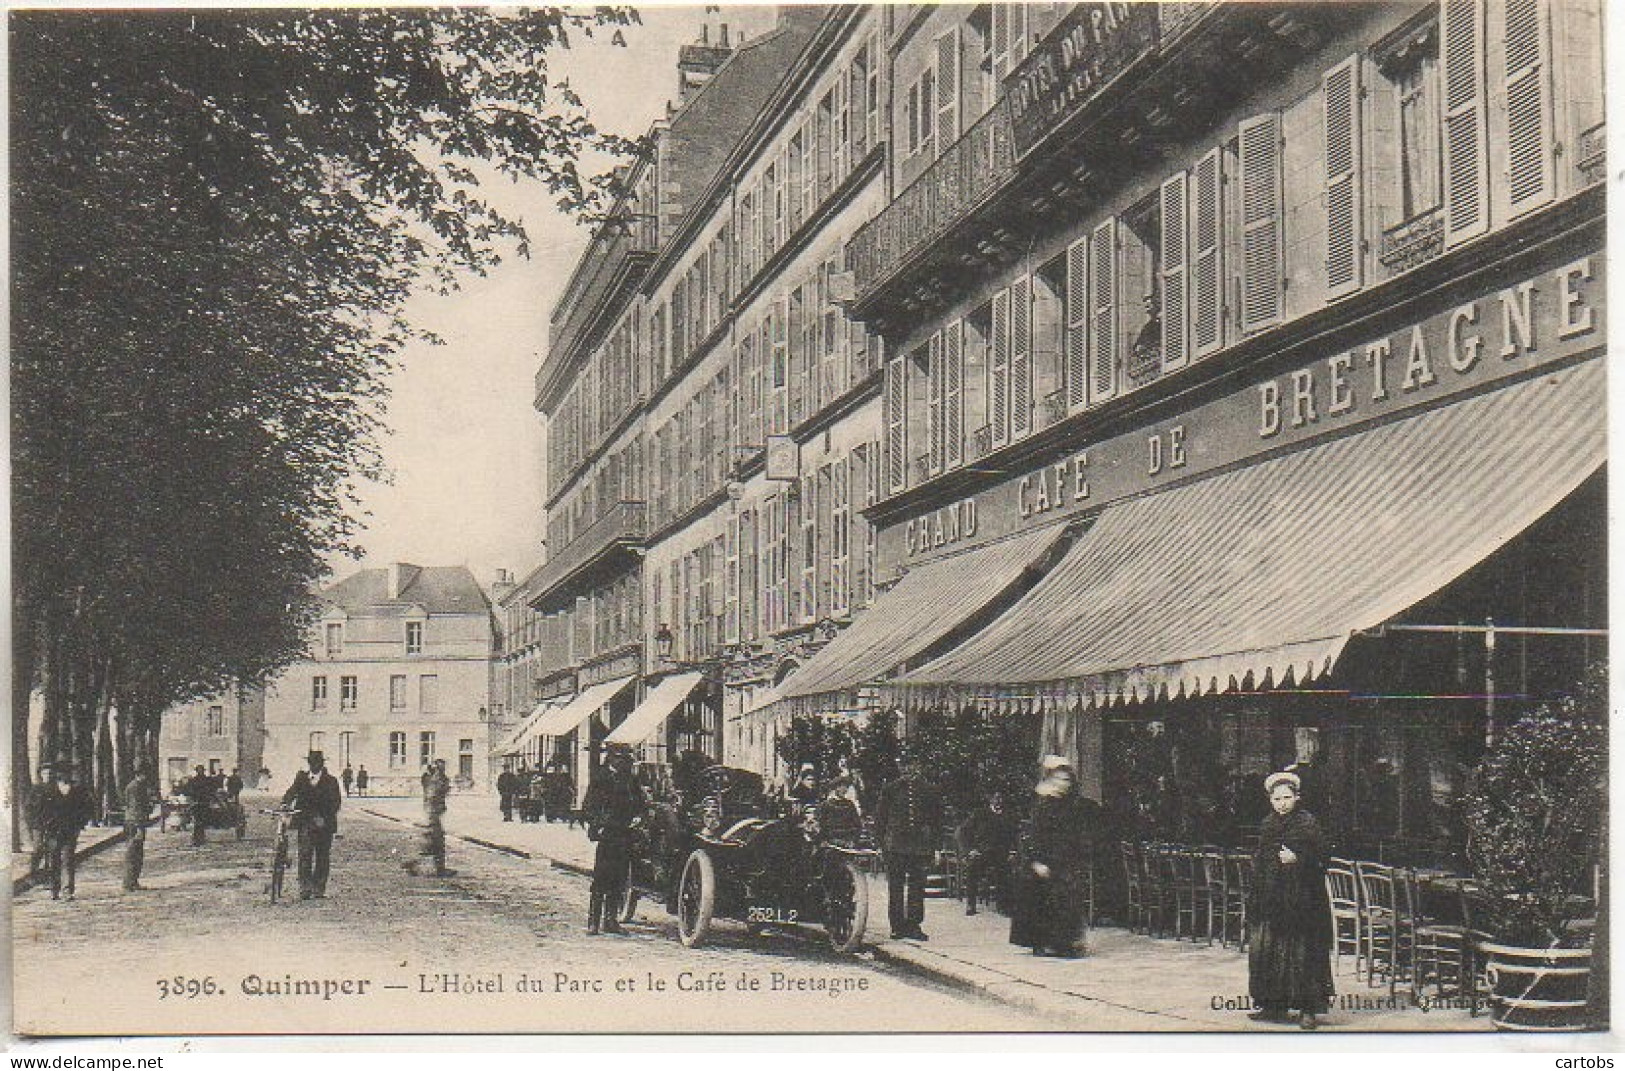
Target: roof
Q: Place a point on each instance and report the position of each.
(439, 589)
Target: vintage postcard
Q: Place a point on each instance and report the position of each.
(1002, 517)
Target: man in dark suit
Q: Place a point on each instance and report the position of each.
(908, 822)
(65, 809)
(315, 795)
(199, 791)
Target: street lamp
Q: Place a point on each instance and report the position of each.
(664, 641)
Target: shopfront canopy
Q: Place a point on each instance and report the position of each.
(516, 741)
(927, 604)
(656, 707)
(1267, 571)
(583, 706)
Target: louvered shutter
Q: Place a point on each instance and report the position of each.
(857, 527)
(998, 368)
(857, 78)
(749, 571)
(1077, 325)
(953, 394)
(933, 402)
(1345, 215)
(1020, 39)
(730, 584)
(1530, 136)
(1103, 312)
(947, 103)
(1001, 43)
(1174, 285)
(1206, 256)
(807, 552)
(896, 425)
(871, 94)
(1466, 162)
(1260, 222)
(1021, 359)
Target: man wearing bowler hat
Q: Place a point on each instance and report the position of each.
(315, 795)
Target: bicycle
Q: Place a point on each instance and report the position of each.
(279, 848)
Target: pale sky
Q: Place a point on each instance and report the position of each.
(465, 445)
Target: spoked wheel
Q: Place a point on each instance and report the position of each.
(279, 867)
(696, 898)
(846, 907)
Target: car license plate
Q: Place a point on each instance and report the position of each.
(771, 914)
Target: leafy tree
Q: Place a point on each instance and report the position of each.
(217, 217)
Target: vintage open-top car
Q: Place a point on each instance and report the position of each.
(729, 857)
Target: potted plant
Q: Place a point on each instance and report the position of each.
(1534, 818)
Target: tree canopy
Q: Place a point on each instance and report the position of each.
(217, 217)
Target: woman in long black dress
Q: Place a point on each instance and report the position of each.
(1053, 879)
(1290, 964)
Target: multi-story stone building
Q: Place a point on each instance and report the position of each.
(1240, 362)
(1244, 397)
(221, 733)
(399, 675)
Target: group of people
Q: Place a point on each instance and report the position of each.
(206, 791)
(59, 808)
(355, 781)
(536, 794)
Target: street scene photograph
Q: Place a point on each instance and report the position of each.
(1005, 518)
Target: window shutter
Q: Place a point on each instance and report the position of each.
(1530, 136)
(1103, 312)
(1206, 257)
(1020, 38)
(1021, 359)
(823, 560)
(947, 103)
(953, 394)
(1260, 222)
(781, 371)
(730, 584)
(857, 527)
(1077, 325)
(998, 368)
(933, 402)
(1466, 163)
(1345, 229)
(896, 425)
(857, 88)
(807, 553)
(871, 94)
(841, 134)
(1001, 42)
(1175, 283)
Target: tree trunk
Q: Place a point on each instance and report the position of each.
(23, 662)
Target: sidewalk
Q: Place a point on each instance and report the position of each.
(1127, 982)
(93, 840)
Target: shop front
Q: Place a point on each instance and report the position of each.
(1356, 559)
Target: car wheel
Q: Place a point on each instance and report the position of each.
(696, 898)
(846, 907)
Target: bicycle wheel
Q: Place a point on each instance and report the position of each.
(279, 867)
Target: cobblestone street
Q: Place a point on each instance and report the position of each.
(94, 964)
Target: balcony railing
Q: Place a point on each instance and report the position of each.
(613, 262)
(622, 527)
(1415, 241)
(1592, 158)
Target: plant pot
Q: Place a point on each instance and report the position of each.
(1537, 989)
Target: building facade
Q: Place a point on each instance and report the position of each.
(221, 733)
(398, 675)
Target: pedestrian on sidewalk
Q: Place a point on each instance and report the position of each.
(199, 792)
(506, 783)
(1052, 901)
(614, 806)
(138, 800)
(987, 843)
(436, 788)
(33, 817)
(315, 795)
(347, 778)
(234, 786)
(908, 819)
(65, 810)
(361, 779)
(1289, 965)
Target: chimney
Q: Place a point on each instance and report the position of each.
(501, 586)
(394, 580)
(696, 63)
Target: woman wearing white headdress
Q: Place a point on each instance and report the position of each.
(1054, 869)
(1289, 965)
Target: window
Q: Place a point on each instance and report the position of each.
(397, 692)
(347, 693)
(428, 694)
(465, 760)
(335, 639)
(414, 637)
(216, 722)
(318, 693)
(425, 748)
(397, 751)
(840, 537)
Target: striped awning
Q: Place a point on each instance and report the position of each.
(656, 707)
(516, 740)
(928, 603)
(583, 706)
(1267, 571)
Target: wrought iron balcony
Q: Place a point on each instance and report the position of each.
(1592, 158)
(981, 442)
(1102, 94)
(1415, 241)
(612, 265)
(605, 544)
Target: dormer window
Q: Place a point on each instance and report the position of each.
(414, 637)
(335, 639)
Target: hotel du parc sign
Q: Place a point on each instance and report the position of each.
(1500, 335)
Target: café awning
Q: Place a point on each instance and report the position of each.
(516, 741)
(583, 706)
(656, 707)
(1266, 572)
(928, 603)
